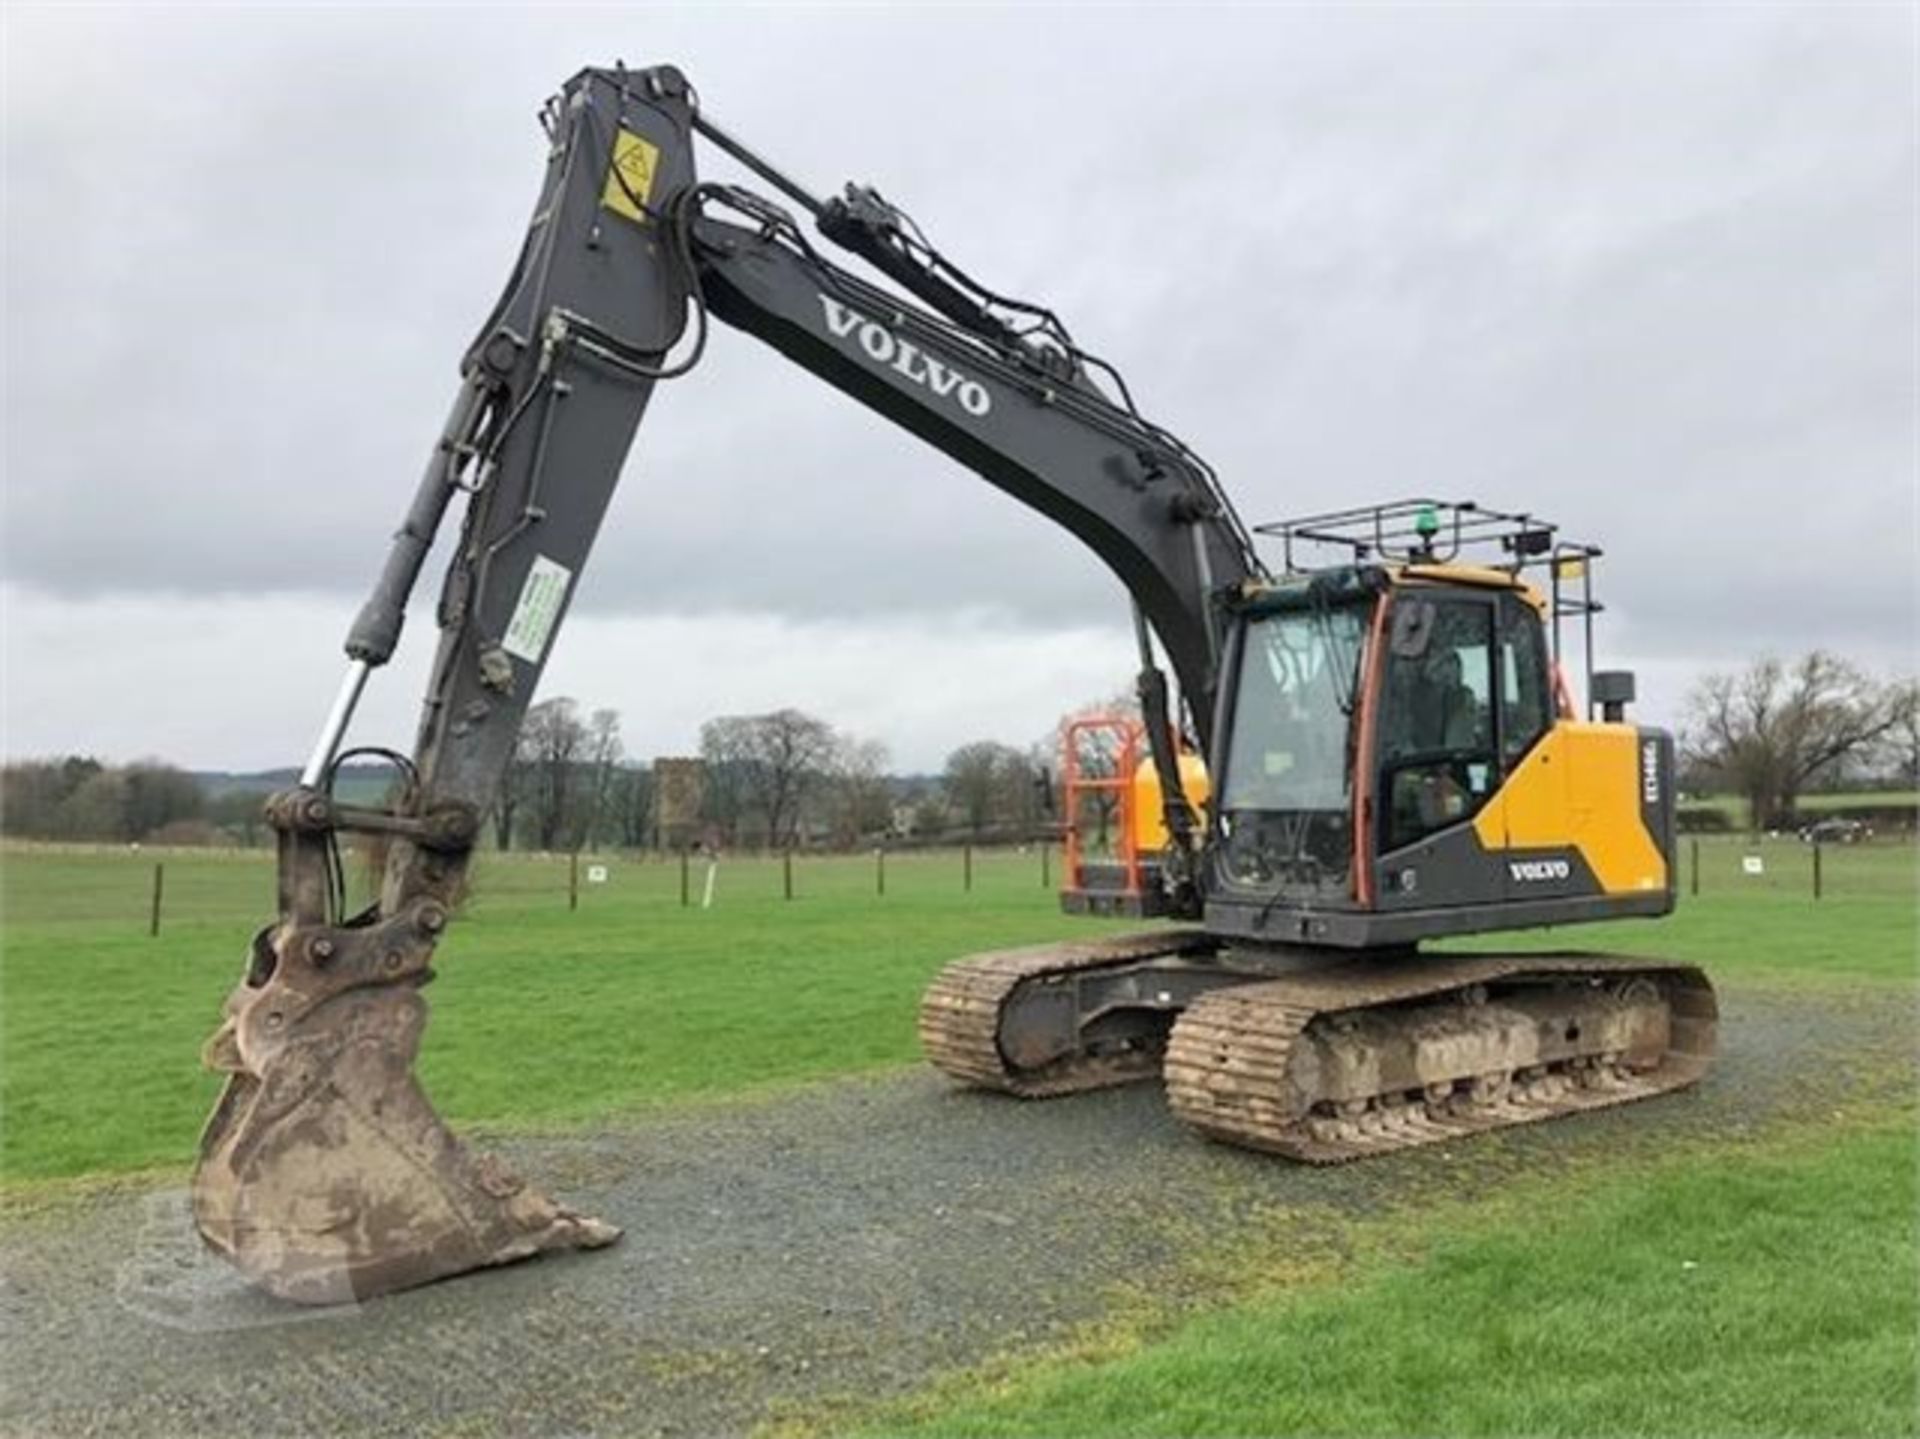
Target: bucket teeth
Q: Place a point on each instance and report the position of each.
(325, 1175)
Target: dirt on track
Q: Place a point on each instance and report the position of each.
(851, 1239)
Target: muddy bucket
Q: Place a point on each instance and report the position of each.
(324, 1173)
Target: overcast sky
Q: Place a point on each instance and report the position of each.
(1646, 270)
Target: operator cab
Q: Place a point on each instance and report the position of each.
(1398, 754)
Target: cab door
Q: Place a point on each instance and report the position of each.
(1531, 775)
(1438, 751)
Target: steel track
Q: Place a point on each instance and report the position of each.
(1234, 1067)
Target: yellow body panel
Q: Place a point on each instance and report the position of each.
(1580, 786)
(1149, 815)
(1479, 576)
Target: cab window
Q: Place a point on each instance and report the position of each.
(1526, 686)
(1288, 751)
(1437, 757)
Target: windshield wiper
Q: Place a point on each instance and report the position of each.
(1345, 688)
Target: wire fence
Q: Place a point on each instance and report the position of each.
(149, 890)
(157, 888)
(1721, 866)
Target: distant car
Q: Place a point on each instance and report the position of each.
(1835, 831)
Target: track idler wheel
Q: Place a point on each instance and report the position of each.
(324, 1174)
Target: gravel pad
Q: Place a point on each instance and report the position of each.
(848, 1239)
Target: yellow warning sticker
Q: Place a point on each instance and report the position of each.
(629, 184)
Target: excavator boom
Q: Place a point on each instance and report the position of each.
(324, 1172)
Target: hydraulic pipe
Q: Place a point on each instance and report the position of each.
(376, 629)
(1156, 712)
(328, 745)
(792, 189)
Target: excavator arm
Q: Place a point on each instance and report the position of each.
(325, 1174)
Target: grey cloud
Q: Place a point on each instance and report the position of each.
(1648, 272)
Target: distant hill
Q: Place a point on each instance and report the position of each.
(355, 784)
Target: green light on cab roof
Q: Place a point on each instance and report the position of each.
(1427, 523)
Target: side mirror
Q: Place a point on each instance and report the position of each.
(1613, 692)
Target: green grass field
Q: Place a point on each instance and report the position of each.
(1809, 806)
(1756, 1292)
(1764, 1285)
(634, 1000)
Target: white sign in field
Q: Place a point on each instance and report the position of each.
(596, 874)
(1753, 864)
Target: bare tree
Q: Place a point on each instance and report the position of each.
(1773, 728)
(969, 781)
(930, 816)
(1022, 798)
(242, 812)
(159, 794)
(510, 791)
(553, 743)
(79, 798)
(990, 786)
(97, 809)
(33, 793)
(603, 751)
(860, 794)
(766, 764)
(1902, 743)
(725, 751)
(632, 802)
(1043, 763)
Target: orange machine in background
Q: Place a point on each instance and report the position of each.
(1125, 880)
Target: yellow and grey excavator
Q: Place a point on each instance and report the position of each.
(1392, 755)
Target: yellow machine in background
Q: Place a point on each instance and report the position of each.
(1148, 821)
(1111, 785)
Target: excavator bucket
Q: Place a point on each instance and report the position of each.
(325, 1175)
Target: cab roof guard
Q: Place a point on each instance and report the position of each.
(1427, 531)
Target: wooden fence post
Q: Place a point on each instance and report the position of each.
(1816, 868)
(159, 882)
(686, 897)
(1046, 862)
(573, 880)
(1696, 864)
(786, 872)
(966, 868)
(880, 872)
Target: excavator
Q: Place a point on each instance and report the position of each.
(1393, 754)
